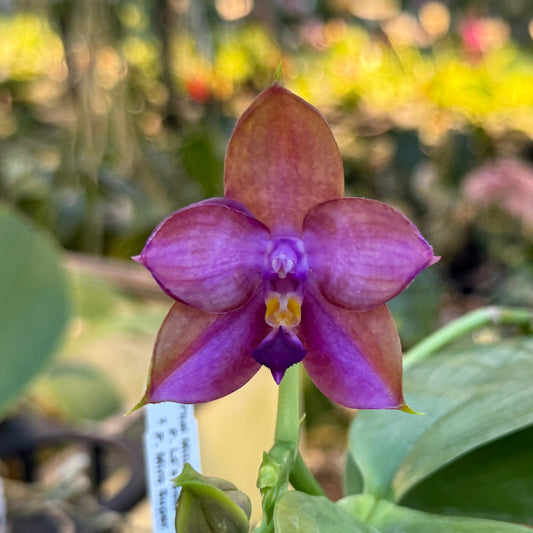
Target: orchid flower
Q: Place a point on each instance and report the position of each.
(282, 269)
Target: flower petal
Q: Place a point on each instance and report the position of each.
(208, 255)
(353, 357)
(363, 252)
(282, 160)
(199, 357)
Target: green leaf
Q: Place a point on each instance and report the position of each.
(297, 512)
(471, 397)
(77, 391)
(34, 306)
(387, 517)
(493, 481)
(210, 505)
(353, 479)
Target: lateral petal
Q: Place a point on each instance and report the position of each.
(282, 160)
(199, 357)
(353, 357)
(208, 255)
(362, 252)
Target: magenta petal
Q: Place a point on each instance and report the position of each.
(208, 255)
(282, 160)
(199, 357)
(278, 351)
(353, 357)
(363, 252)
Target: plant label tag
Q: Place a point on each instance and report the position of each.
(3, 509)
(170, 441)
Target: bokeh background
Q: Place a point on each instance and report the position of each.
(115, 113)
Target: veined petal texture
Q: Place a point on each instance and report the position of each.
(199, 357)
(282, 160)
(208, 255)
(353, 357)
(362, 252)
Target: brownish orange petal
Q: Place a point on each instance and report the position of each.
(282, 160)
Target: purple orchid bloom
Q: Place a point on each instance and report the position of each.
(282, 269)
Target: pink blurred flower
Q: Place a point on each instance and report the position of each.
(506, 183)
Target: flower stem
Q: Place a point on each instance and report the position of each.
(288, 418)
(283, 463)
(468, 323)
(273, 478)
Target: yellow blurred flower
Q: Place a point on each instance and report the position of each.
(28, 47)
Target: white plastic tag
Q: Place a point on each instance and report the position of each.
(3, 509)
(170, 441)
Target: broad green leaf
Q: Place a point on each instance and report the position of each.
(34, 303)
(77, 391)
(387, 517)
(297, 512)
(494, 481)
(470, 396)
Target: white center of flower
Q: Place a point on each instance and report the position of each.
(283, 260)
(286, 255)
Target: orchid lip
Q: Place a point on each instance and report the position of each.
(279, 350)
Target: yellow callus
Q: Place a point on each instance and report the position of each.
(283, 309)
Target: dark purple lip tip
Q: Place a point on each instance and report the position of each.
(279, 350)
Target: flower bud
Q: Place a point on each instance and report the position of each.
(208, 504)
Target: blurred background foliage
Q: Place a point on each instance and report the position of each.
(114, 113)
